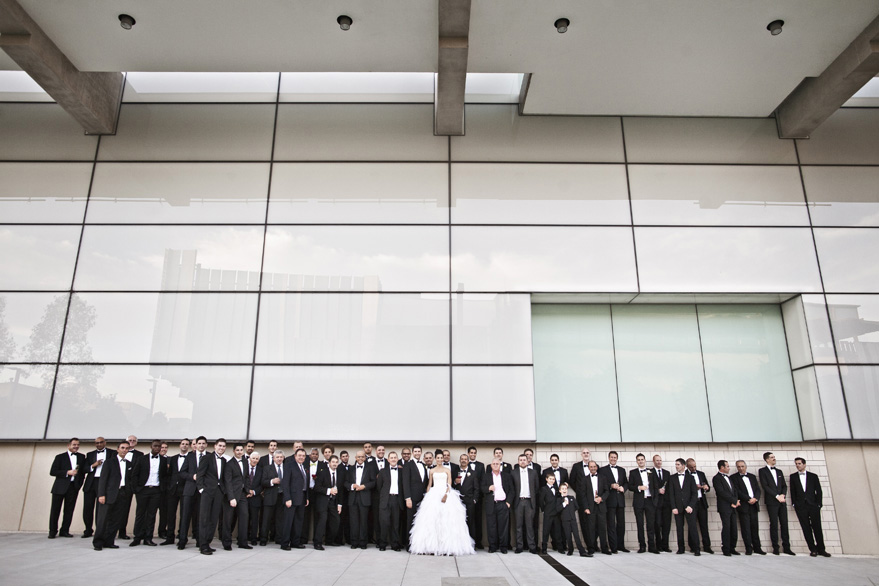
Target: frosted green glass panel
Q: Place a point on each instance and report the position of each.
(747, 371)
(574, 378)
(660, 379)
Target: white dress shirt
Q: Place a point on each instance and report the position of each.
(73, 464)
(358, 474)
(645, 481)
(802, 476)
(100, 457)
(748, 486)
(394, 471)
(153, 479)
(122, 465)
(312, 468)
(524, 488)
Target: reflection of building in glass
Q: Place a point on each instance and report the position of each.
(856, 342)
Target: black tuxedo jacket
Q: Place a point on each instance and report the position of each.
(726, 494)
(638, 496)
(742, 491)
(414, 486)
(533, 487)
(142, 472)
(89, 484)
(662, 476)
(468, 487)
(324, 482)
(702, 480)
(59, 469)
(256, 484)
(177, 476)
(453, 470)
(812, 495)
(578, 474)
(321, 465)
(682, 497)
(769, 487)
(477, 467)
(270, 491)
(568, 511)
(506, 484)
(135, 455)
(111, 477)
(614, 497)
(586, 496)
(191, 486)
(367, 479)
(550, 500)
(209, 477)
(536, 467)
(237, 483)
(383, 487)
(294, 484)
(563, 475)
(266, 460)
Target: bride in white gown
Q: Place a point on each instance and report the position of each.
(440, 525)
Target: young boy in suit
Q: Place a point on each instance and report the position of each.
(568, 507)
(550, 504)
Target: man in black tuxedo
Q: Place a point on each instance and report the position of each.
(378, 463)
(525, 500)
(529, 454)
(389, 492)
(237, 491)
(467, 483)
(133, 456)
(616, 479)
(294, 485)
(345, 519)
(453, 468)
(498, 492)
(662, 504)
(163, 497)
(807, 499)
(254, 501)
(273, 497)
(360, 483)
(68, 468)
(209, 481)
(592, 492)
(313, 466)
(414, 486)
(499, 454)
(560, 473)
(189, 511)
(269, 458)
(748, 489)
(478, 468)
(774, 489)
(329, 498)
(176, 484)
(150, 474)
(94, 462)
(683, 494)
(701, 514)
(114, 491)
(576, 478)
(642, 484)
(727, 504)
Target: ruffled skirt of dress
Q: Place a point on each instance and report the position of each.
(440, 528)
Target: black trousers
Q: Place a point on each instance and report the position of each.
(477, 521)
(209, 516)
(359, 515)
(172, 502)
(309, 519)
(691, 529)
(163, 514)
(662, 526)
(616, 527)
(109, 518)
(68, 501)
(89, 506)
(594, 526)
(294, 520)
(344, 535)
(123, 526)
(809, 517)
(189, 517)
(328, 520)
(646, 516)
(525, 525)
(410, 518)
(241, 513)
(728, 531)
(570, 535)
(472, 519)
(270, 527)
(750, 526)
(701, 518)
(389, 521)
(254, 506)
(497, 520)
(552, 525)
(778, 518)
(145, 513)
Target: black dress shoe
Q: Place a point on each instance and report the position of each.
(98, 548)
(585, 554)
(65, 535)
(262, 543)
(774, 551)
(518, 550)
(666, 550)
(300, 546)
(114, 546)
(124, 537)
(51, 536)
(623, 549)
(490, 550)
(697, 554)
(227, 547)
(813, 554)
(708, 550)
(534, 551)
(503, 550)
(824, 554)
(727, 554)
(397, 548)
(642, 550)
(361, 547)
(480, 546)
(656, 551)
(570, 552)
(759, 552)
(734, 552)
(380, 548)
(245, 546)
(206, 552)
(150, 542)
(543, 551)
(749, 552)
(134, 543)
(181, 545)
(606, 551)
(87, 534)
(789, 552)
(319, 547)
(167, 542)
(285, 547)
(680, 551)
(354, 547)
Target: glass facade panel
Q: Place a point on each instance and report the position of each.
(187, 86)
(169, 258)
(563, 259)
(498, 133)
(365, 391)
(746, 364)
(43, 132)
(843, 196)
(358, 132)
(359, 193)
(43, 192)
(351, 328)
(860, 384)
(30, 326)
(797, 332)
(155, 401)
(539, 194)
(491, 329)
(855, 320)
(659, 374)
(25, 391)
(846, 256)
(493, 403)
(574, 374)
(726, 260)
(183, 132)
(717, 195)
(169, 193)
(37, 257)
(160, 327)
(809, 404)
(356, 258)
(819, 329)
(836, 420)
(848, 137)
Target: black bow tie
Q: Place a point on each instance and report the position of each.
(593, 475)
(100, 451)
(360, 466)
(393, 468)
(154, 457)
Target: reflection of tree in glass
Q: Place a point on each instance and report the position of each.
(7, 345)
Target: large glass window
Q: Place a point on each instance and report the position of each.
(25, 391)
(855, 320)
(847, 263)
(860, 384)
(43, 192)
(843, 196)
(493, 403)
(37, 257)
(491, 328)
(30, 326)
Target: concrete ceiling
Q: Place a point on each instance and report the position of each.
(632, 57)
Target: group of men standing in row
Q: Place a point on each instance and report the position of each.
(273, 498)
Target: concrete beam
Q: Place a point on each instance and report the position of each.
(451, 79)
(816, 98)
(523, 92)
(92, 98)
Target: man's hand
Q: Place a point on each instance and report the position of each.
(491, 488)
(780, 498)
(289, 504)
(276, 481)
(339, 509)
(752, 501)
(71, 472)
(642, 488)
(233, 503)
(587, 511)
(689, 510)
(195, 476)
(674, 511)
(508, 505)
(598, 500)
(102, 500)
(408, 503)
(97, 463)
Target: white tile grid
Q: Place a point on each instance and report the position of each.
(706, 456)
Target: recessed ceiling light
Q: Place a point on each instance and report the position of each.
(562, 24)
(345, 22)
(126, 21)
(774, 27)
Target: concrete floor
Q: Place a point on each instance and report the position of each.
(31, 559)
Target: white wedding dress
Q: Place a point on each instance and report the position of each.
(440, 528)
